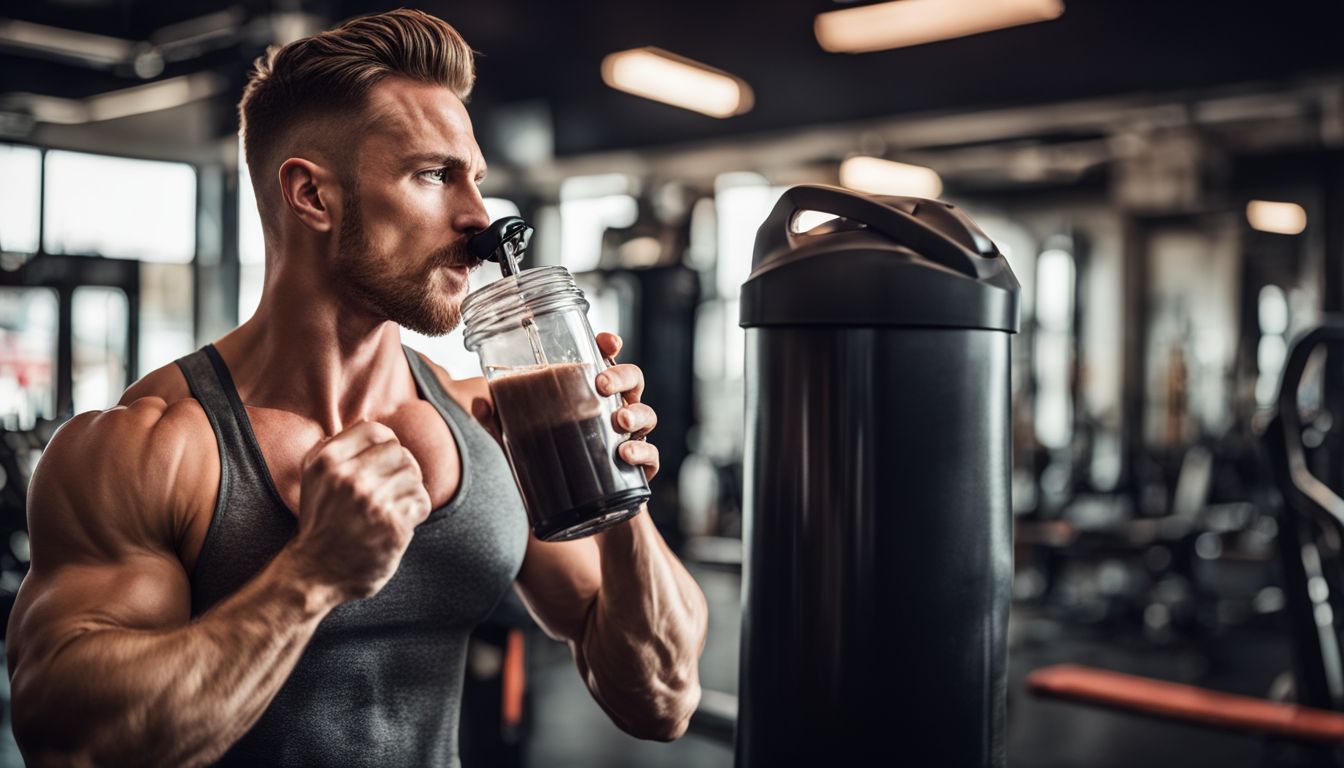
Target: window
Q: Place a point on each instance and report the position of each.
(251, 244)
(27, 356)
(1272, 350)
(723, 238)
(166, 331)
(100, 316)
(21, 168)
(1054, 352)
(741, 201)
(589, 206)
(120, 208)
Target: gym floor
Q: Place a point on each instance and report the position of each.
(570, 731)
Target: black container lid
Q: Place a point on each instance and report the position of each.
(887, 261)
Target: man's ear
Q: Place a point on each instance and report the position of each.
(311, 193)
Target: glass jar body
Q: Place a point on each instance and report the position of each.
(541, 362)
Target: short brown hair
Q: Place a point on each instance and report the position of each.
(332, 72)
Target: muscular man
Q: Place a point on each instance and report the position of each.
(272, 551)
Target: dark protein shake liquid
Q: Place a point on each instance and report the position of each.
(556, 435)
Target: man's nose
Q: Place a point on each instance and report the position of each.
(472, 217)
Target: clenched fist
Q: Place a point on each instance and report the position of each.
(361, 497)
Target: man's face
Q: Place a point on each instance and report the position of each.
(410, 204)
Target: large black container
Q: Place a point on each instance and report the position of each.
(878, 559)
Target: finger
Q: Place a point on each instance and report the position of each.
(392, 490)
(406, 485)
(636, 419)
(626, 379)
(640, 454)
(609, 344)
(415, 504)
(350, 442)
(385, 459)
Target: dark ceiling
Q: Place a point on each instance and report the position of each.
(548, 53)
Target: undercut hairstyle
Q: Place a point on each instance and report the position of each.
(327, 77)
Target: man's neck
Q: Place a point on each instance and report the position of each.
(305, 352)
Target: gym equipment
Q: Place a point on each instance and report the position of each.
(1310, 532)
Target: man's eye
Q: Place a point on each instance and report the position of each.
(438, 174)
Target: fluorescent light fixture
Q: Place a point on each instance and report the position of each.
(151, 97)
(51, 109)
(1280, 218)
(885, 177)
(597, 185)
(98, 49)
(661, 76)
(165, 94)
(199, 29)
(912, 22)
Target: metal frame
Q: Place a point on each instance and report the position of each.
(1313, 514)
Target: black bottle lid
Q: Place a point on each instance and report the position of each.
(886, 261)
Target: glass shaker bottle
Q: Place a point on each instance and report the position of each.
(530, 330)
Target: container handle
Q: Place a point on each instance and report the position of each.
(896, 224)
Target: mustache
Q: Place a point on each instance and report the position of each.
(455, 255)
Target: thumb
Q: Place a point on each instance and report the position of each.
(312, 452)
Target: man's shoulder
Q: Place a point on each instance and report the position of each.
(473, 394)
(165, 382)
(462, 390)
(164, 420)
(152, 456)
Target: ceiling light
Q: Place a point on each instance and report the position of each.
(1281, 218)
(656, 74)
(165, 94)
(912, 22)
(640, 252)
(152, 97)
(95, 49)
(885, 177)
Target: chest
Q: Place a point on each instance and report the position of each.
(458, 563)
(285, 440)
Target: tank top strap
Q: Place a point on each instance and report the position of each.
(247, 500)
(431, 387)
(466, 432)
(199, 371)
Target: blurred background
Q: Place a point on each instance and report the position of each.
(1166, 180)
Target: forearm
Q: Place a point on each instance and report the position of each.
(640, 649)
(170, 697)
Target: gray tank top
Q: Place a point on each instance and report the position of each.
(380, 682)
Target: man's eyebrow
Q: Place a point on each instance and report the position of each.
(451, 162)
